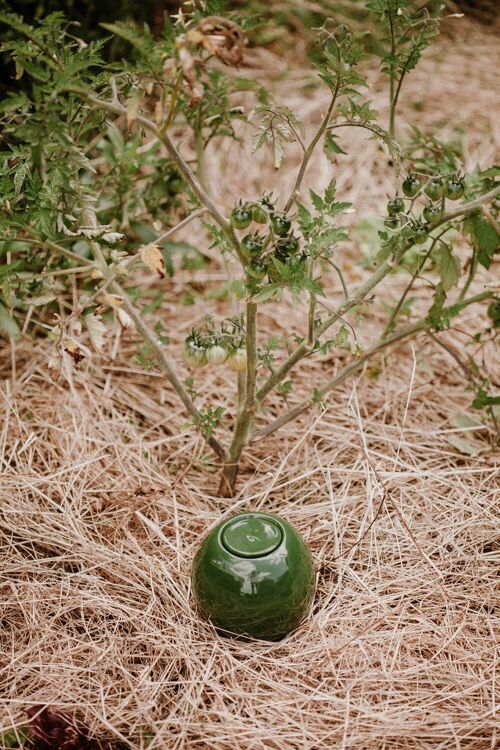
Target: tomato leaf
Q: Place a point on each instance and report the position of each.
(448, 265)
(266, 293)
(7, 323)
(484, 238)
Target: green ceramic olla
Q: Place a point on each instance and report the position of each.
(253, 575)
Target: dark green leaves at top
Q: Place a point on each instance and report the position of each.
(484, 238)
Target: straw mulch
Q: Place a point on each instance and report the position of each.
(105, 495)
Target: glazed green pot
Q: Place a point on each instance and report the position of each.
(253, 575)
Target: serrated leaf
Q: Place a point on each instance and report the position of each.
(152, 257)
(484, 238)
(331, 147)
(341, 336)
(448, 265)
(317, 201)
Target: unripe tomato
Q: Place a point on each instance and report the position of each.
(287, 246)
(195, 355)
(434, 189)
(174, 184)
(241, 217)
(256, 269)
(431, 213)
(494, 312)
(217, 354)
(392, 222)
(395, 206)
(252, 245)
(420, 234)
(411, 185)
(259, 215)
(453, 188)
(237, 360)
(281, 225)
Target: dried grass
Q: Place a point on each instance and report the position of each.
(104, 498)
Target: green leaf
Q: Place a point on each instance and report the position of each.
(331, 147)
(317, 201)
(341, 336)
(448, 265)
(437, 316)
(482, 399)
(266, 293)
(7, 324)
(484, 238)
(14, 738)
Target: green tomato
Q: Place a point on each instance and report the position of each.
(237, 360)
(431, 213)
(411, 185)
(420, 234)
(434, 189)
(494, 312)
(256, 269)
(454, 188)
(259, 215)
(281, 225)
(252, 245)
(195, 355)
(217, 354)
(392, 222)
(174, 184)
(395, 206)
(288, 246)
(241, 217)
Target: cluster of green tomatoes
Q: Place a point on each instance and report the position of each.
(259, 249)
(201, 350)
(437, 190)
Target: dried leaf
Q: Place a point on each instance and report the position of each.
(97, 331)
(113, 300)
(151, 257)
(125, 319)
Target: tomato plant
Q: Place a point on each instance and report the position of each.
(94, 184)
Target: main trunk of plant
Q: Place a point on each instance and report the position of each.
(228, 479)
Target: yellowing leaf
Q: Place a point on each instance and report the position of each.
(113, 300)
(152, 258)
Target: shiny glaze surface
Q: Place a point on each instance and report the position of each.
(263, 597)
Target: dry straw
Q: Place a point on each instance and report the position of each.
(104, 498)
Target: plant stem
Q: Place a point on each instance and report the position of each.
(149, 338)
(392, 103)
(200, 152)
(419, 268)
(309, 150)
(246, 411)
(352, 367)
(470, 276)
